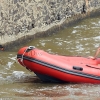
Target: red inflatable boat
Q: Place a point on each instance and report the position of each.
(57, 68)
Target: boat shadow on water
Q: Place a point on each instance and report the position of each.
(57, 91)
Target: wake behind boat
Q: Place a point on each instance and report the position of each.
(58, 68)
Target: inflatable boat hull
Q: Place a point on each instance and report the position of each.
(58, 68)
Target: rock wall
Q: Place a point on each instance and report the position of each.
(22, 18)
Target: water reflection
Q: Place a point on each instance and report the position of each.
(18, 83)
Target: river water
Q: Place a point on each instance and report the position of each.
(17, 83)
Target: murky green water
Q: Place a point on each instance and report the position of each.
(17, 83)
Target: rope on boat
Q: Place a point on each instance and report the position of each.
(21, 59)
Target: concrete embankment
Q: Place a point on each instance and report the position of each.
(24, 20)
